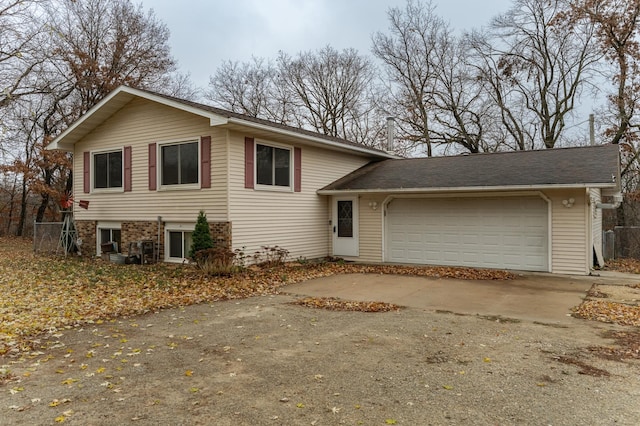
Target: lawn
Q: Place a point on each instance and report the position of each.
(44, 294)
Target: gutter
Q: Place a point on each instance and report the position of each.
(462, 189)
(322, 141)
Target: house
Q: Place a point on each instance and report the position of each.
(147, 163)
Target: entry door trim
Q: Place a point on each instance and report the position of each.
(348, 246)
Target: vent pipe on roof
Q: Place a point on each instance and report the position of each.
(592, 131)
(391, 132)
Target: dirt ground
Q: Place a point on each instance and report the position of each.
(265, 361)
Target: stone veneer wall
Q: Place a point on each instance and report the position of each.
(142, 230)
(221, 234)
(135, 231)
(87, 232)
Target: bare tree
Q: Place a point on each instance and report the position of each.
(535, 69)
(20, 48)
(250, 88)
(102, 44)
(330, 90)
(408, 54)
(92, 47)
(327, 91)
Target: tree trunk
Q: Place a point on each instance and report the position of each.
(23, 210)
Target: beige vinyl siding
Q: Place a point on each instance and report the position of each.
(371, 231)
(296, 221)
(569, 232)
(138, 124)
(569, 228)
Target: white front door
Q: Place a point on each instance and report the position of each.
(345, 226)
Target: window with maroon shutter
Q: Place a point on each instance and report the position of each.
(86, 172)
(297, 170)
(106, 169)
(127, 168)
(205, 162)
(248, 163)
(152, 167)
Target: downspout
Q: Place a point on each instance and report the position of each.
(617, 200)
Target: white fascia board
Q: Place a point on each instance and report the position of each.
(315, 139)
(464, 189)
(59, 142)
(214, 119)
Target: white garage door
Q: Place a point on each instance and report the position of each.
(504, 232)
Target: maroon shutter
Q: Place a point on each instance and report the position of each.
(205, 162)
(297, 169)
(127, 169)
(86, 173)
(248, 162)
(152, 167)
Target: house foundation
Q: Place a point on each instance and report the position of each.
(132, 231)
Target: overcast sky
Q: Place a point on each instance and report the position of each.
(205, 33)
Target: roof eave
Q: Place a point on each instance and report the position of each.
(91, 119)
(466, 189)
(314, 139)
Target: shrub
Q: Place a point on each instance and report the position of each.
(217, 261)
(201, 236)
(271, 256)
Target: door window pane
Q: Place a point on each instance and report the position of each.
(345, 218)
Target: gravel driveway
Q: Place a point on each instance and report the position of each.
(264, 361)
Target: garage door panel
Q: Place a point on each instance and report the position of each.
(499, 232)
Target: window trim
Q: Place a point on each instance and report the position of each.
(276, 188)
(107, 225)
(159, 166)
(176, 227)
(93, 168)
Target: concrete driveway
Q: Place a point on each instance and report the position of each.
(543, 298)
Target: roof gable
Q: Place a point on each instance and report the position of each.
(594, 166)
(217, 117)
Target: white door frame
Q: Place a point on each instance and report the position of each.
(347, 246)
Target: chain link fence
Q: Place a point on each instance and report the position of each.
(621, 242)
(46, 236)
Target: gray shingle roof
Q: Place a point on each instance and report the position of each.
(583, 166)
(231, 114)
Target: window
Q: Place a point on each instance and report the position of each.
(110, 233)
(107, 170)
(273, 166)
(179, 163)
(178, 244)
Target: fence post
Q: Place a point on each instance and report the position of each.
(608, 245)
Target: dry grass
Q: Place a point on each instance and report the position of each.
(43, 294)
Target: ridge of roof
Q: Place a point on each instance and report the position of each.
(231, 114)
(217, 116)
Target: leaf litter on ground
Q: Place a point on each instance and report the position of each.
(44, 294)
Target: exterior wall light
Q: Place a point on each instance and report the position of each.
(568, 203)
(373, 205)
